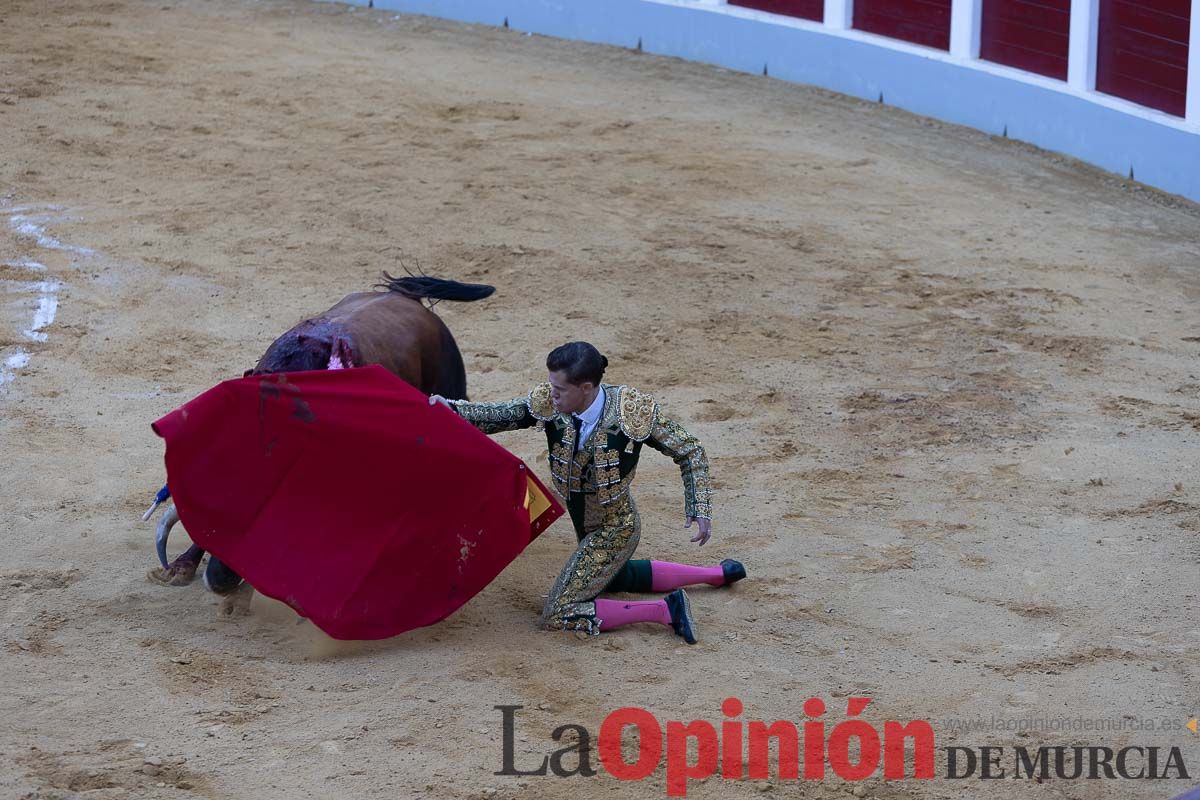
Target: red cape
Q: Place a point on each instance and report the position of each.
(347, 496)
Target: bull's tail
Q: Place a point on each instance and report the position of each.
(423, 287)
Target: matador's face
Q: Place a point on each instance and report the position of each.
(567, 397)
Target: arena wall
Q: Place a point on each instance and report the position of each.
(1125, 135)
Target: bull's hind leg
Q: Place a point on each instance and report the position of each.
(235, 593)
(219, 578)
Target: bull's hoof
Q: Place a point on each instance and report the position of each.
(178, 574)
(237, 602)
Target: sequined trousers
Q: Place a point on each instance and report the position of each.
(611, 534)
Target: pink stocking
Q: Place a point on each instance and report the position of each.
(666, 576)
(615, 613)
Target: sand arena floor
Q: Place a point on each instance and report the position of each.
(948, 384)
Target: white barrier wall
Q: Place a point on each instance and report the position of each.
(956, 86)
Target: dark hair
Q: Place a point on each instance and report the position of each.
(581, 361)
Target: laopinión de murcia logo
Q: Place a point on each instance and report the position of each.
(853, 749)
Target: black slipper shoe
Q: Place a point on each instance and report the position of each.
(734, 571)
(681, 615)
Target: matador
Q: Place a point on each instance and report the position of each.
(595, 433)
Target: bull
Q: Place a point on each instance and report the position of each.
(392, 328)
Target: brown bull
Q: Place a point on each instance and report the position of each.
(392, 328)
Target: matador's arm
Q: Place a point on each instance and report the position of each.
(669, 437)
(510, 415)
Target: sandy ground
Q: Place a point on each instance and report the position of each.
(948, 384)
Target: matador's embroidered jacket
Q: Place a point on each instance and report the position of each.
(605, 465)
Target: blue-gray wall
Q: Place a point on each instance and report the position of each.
(1117, 136)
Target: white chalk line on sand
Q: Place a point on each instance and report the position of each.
(28, 226)
(43, 316)
(33, 226)
(16, 361)
(26, 264)
(46, 308)
(22, 287)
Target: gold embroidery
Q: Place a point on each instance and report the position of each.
(605, 457)
(670, 438)
(495, 417)
(612, 536)
(638, 413)
(539, 402)
(599, 456)
(568, 439)
(560, 469)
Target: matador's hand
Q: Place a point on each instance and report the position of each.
(705, 531)
(437, 398)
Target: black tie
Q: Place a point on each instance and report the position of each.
(578, 423)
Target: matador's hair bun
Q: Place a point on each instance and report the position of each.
(582, 362)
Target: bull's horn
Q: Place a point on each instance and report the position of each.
(169, 518)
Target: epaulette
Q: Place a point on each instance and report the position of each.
(539, 402)
(637, 413)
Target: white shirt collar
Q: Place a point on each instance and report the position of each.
(591, 414)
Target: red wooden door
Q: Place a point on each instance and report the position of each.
(1028, 34)
(804, 9)
(1143, 52)
(924, 22)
